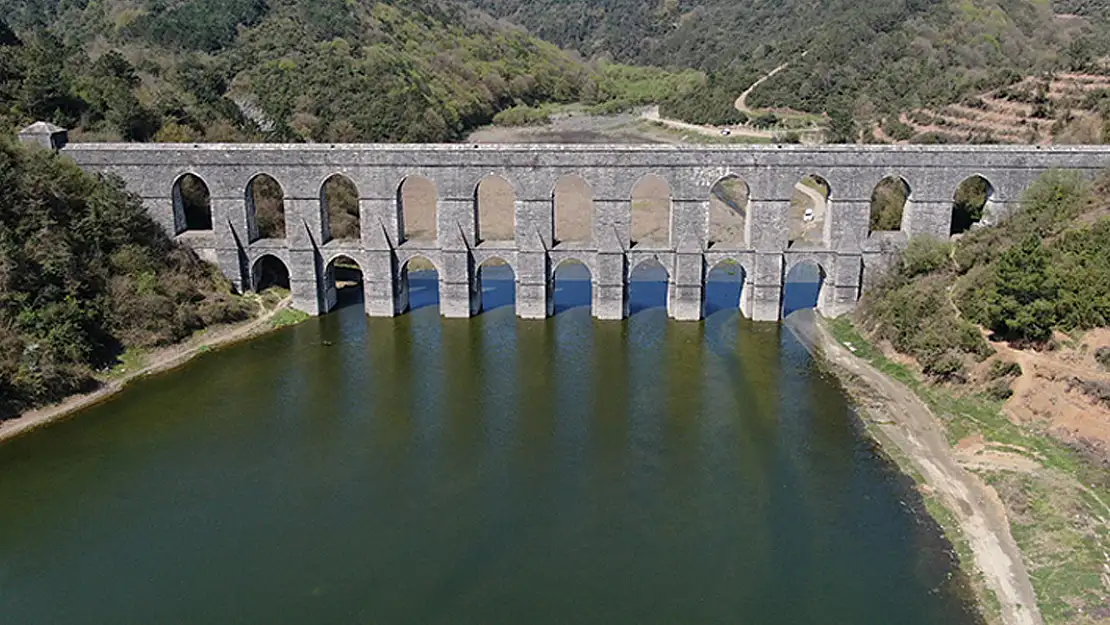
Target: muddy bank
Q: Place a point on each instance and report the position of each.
(898, 417)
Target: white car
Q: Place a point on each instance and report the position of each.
(808, 216)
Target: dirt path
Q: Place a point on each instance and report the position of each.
(652, 114)
(815, 197)
(742, 101)
(159, 360)
(915, 431)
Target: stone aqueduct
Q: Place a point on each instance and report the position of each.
(848, 254)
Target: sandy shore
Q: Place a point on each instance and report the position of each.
(899, 418)
(159, 360)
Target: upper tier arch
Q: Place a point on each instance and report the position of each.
(459, 241)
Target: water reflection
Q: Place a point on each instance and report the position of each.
(572, 286)
(647, 287)
(492, 470)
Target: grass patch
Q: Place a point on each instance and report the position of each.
(1056, 514)
(131, 360)
(288, 317)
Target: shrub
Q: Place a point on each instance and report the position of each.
(999, 389)
(897, 130)
(1102, 357)
(1004, 369)
(924, 254)
(522, 115)
(1021, 301)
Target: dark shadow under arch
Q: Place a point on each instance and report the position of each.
(269, 271)
(803, 287)
(573, 284)
(648, 286)
(192, 203)
(969, 203)
(497, 283)
(724, 287)
(344, 274)
(420, 279)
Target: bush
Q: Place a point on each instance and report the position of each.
(1102, 357)
(999, 389)
(522, 115)
(924, 255)
(1004, 369)
(1021, 301)
(897, 130)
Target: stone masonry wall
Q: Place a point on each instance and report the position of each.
(849, 255)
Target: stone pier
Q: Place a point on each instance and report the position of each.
(847, 254)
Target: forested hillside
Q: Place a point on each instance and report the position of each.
(322, 70)
(1045, 269)
(865, 59)
(84, 274)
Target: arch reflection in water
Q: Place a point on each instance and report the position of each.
(647, 286)
(724, 286)
(455, 470)
(420, 278)
(573, 286)
(803, 287)
(497, 282)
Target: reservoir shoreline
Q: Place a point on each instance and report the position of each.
(998, 565)
(161, 360)
(907, 430)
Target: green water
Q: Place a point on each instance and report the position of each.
(493, 470)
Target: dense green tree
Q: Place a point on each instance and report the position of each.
(1021, 303)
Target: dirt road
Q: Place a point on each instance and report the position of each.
(909, 424)
(652, 114)
(742, 101)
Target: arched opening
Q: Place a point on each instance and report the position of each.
(192, 204)
(420, 280)
(269, 272)
(969, 203)
(573, 286)
(803, 287)
(497, 282)
(888, 203)
(651, 211)
(265, 208)
(724, 285)
(416, 202)
(808, 210)
(647, 286)
(339, 197)
(495, 209)
(573, 204)
(729, 203)
(343, 279)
